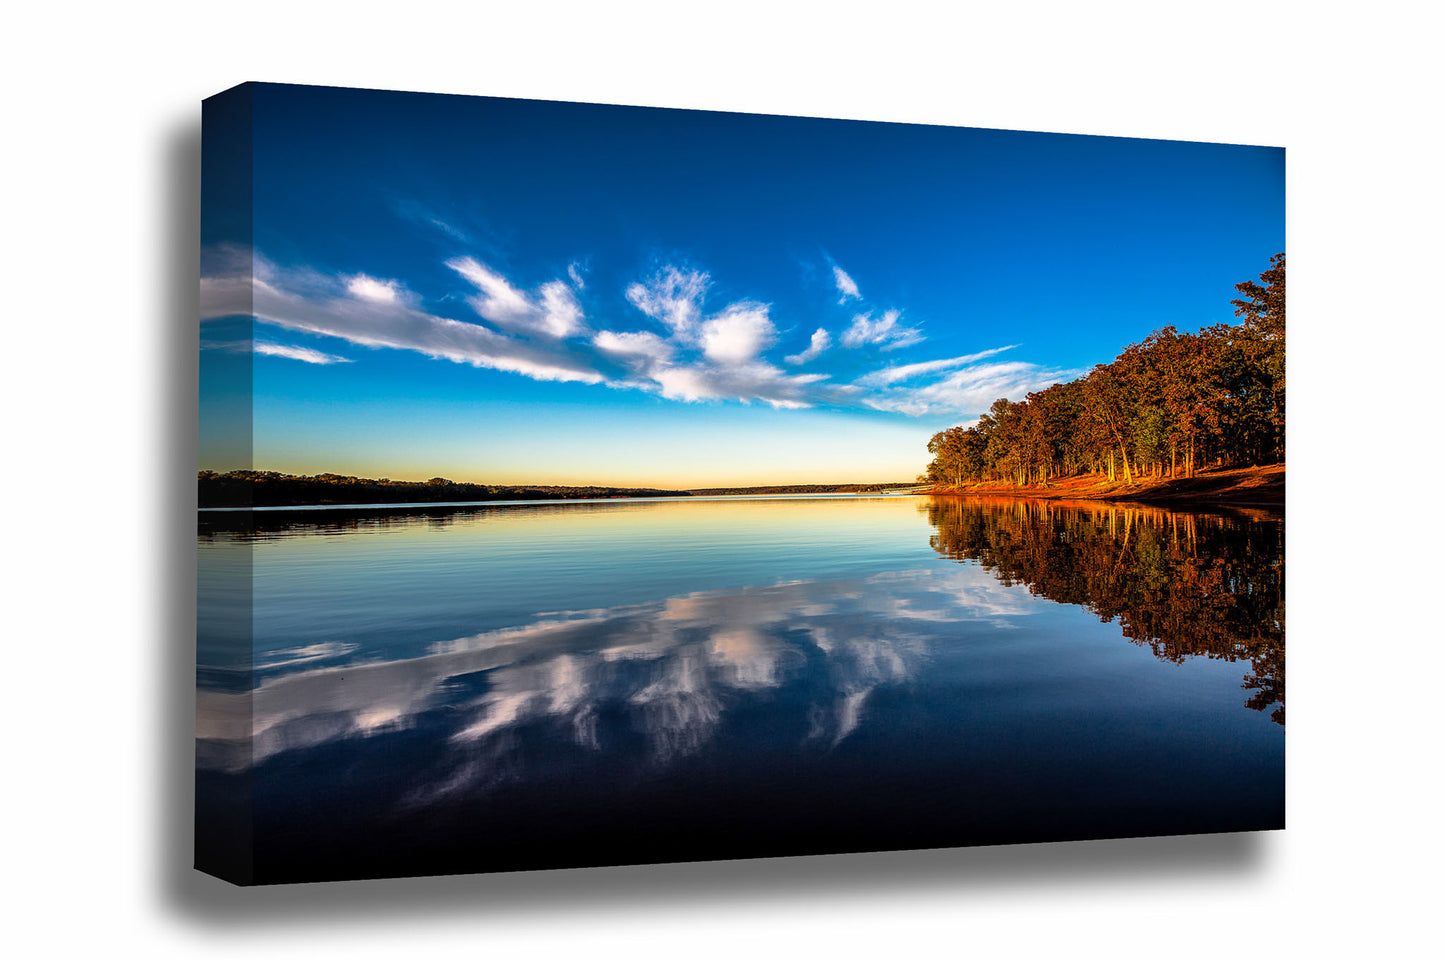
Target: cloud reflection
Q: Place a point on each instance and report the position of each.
(669, 671)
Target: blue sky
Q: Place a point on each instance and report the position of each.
(522, 291)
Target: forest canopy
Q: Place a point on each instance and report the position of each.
(1163, 407)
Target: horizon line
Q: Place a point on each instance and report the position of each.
(490, 483)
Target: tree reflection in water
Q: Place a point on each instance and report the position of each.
(1181, 584)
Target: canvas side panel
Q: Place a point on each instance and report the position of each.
(224, 610)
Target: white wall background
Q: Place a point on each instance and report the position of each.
(101, 108)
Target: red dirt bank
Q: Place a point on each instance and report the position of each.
(1244, 487)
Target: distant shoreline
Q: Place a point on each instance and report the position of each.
(243, 489)
(239, 490)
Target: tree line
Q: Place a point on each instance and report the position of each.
(267, 488)
(1163, 408)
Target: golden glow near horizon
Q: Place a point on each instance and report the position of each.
(801, 449)
(585, 479)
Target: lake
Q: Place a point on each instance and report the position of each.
(385, 692)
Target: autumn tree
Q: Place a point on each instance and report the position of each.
(1165, 404)
(1262, 307)
(1112, 404)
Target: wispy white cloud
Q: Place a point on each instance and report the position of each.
(845, 284)
(370, 288)
(743, 382)
(968, 390)
(738, 334)
(226, 273)
(555, 313)
(910, 371)
(423, 215)
(731, 342)
(820, 341)
(885, 332)
(644, 343)
(673, 296)
(271, 349)
(304, 354)
(698, 357)
(301, 299)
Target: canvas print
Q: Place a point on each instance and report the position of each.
(585, 485)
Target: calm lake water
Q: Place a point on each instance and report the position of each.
(554, 684)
